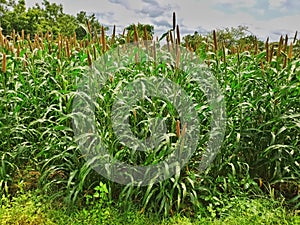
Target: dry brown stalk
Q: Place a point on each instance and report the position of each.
(171, 38)
(271, 53)
(261, 65)
(168, 46)
(134, 114)
(192, 55)
(177, 57)
(18, 50)
(183, 135)
(174, 20)
(67, 48)
(184, 130)
(29, 42)
(113, 35)
(267, 49)
(59, 45)
(208, 60)
(4, 63)
(11, 48)
(89, 26)
(128, 37)
(295, 37)
(111, 78)
(290, 53)
(135, 34)
(74, 39)
(174, 27)
(154, 52)
(6, 44)
(279, 46)
(36, 41)
(1, 38)
(47, 36)
(145, 34)
(95, 52)
(103, 39)
(178, 35)
(256, 46)
(42, 44)
(285, 61)
(89, 58)
(49, 48)
(13, 35)
(25, 60)
(285, 43)
(178, 128)
(224, 53)
(95, 37)
(232, 50)
(23, 35)
(146, 38)
(215, 40)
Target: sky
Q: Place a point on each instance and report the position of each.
(264, 18)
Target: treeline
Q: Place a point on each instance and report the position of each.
(47, 17)
(50, 17)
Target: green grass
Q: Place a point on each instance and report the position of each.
(31, 208)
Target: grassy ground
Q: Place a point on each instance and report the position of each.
(30, 208)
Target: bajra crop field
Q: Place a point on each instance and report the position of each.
(259, 156)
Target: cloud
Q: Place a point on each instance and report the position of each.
(128, 4)
(154, 9)
(276, 3)
(151, 2)
(163, 23)
(107, 16)
(116, 1)
(264, 18)
(237, 3)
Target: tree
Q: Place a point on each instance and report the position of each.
(15, 19)
(42, 18)
(82, 19)
(230, 36)
(140, 30)
(193, 41)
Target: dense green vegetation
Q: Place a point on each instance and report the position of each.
(31, 209)
(259, 157)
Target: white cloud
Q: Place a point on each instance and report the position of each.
(191, 15)
(276, 3)
(237, 3)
